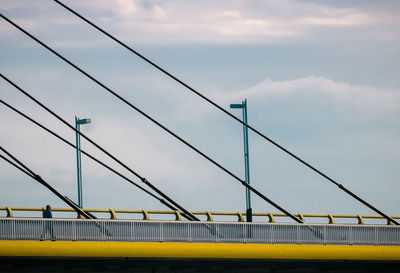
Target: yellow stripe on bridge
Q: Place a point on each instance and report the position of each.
(197, 250)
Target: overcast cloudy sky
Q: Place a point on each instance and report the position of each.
(321, 78)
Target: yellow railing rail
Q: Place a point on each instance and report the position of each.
(208, 215)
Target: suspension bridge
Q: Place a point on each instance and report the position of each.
(190, 239)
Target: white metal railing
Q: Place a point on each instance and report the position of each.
(174, 231)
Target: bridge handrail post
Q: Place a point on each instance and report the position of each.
(209, 216)
(301, 216)
(271, 218)
(178, 216)
(79, 216)
(113, 215)
(145, 215)
(9, 212)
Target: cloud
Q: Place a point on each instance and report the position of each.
(222, 22)
(125, 7)
(382, 101)
(241, 23)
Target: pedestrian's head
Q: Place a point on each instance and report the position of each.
(48, 207)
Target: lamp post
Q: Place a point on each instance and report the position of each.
(78, 123)
(243, 106)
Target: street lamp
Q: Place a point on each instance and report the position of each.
(78, 123)
(246, 157)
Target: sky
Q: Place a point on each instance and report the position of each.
(321, 79)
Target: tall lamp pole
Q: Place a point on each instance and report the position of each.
(243, 106)
(78, 123)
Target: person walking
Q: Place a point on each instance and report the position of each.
(47, 212)
(48, 225)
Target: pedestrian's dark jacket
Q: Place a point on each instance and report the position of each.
(47, 214)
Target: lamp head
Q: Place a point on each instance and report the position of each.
(84, 121)
(236, 105)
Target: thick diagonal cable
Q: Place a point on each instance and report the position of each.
(225, 111)
(92, 157)
(156, 122)
(23, 168)
(143, 179)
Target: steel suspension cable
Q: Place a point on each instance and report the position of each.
(92, 157)
(23, 168)
(340, 186)
(143, 179)
(154, 121)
